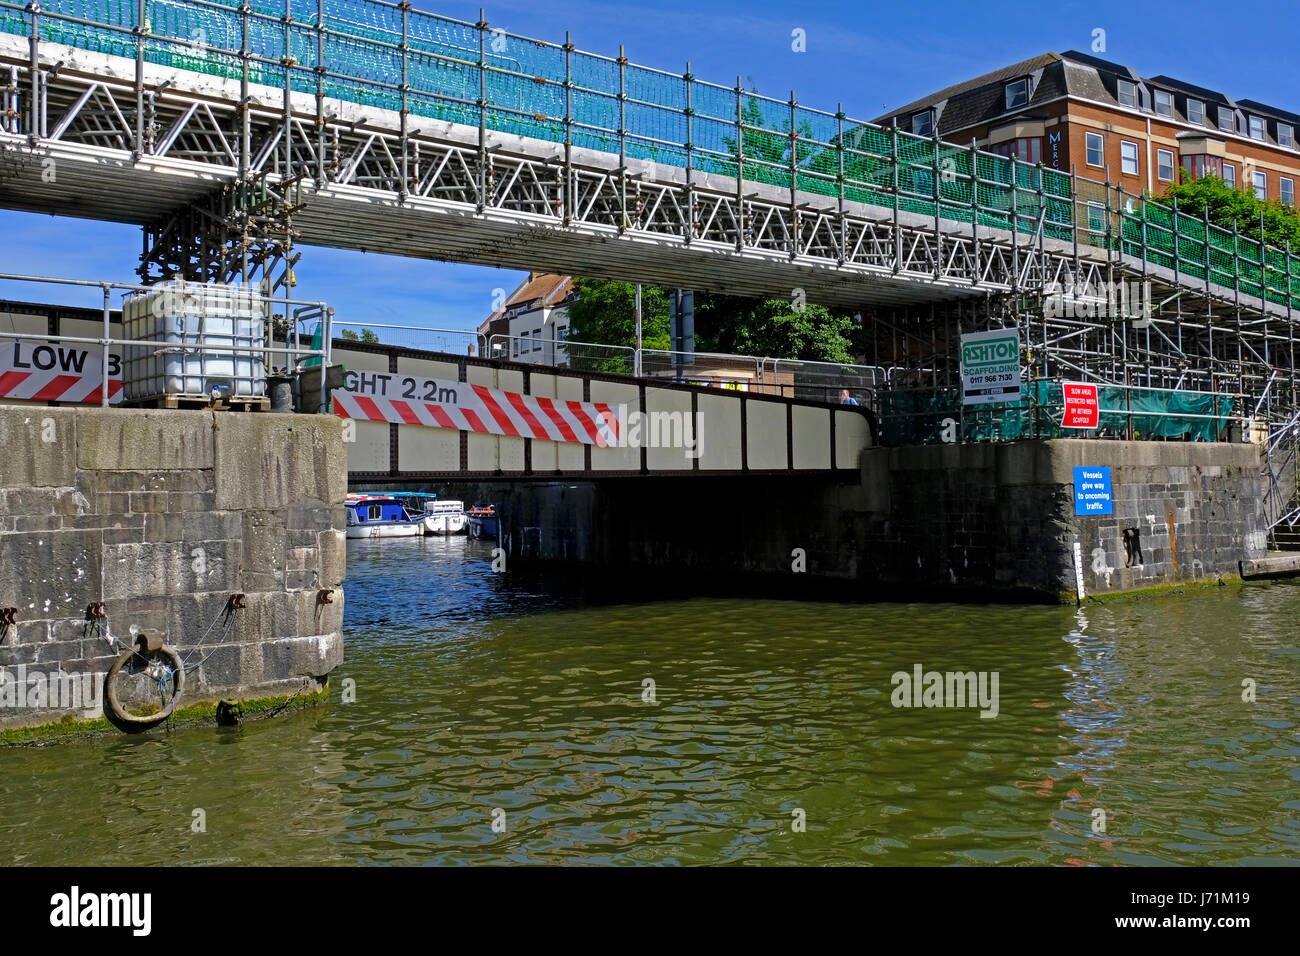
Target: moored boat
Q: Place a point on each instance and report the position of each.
(482, 522)
(378, 516)
(444, 517)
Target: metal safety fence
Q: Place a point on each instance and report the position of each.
(937, 416)
(423, 338)
(199, 337)
(567, 353)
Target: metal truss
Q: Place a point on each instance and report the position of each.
(247, 143)
(264, 175)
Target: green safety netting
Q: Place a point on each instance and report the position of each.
(530, 88)
(925, 417)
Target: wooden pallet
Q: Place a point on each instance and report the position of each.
(241, 404)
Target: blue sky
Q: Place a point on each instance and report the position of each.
(870, 57)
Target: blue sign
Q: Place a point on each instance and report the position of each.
(1092, 490)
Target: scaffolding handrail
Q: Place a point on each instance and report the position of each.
(1033, 414)
(511, 83)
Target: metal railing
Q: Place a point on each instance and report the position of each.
(563, 353)
(289, 348)
(715, 369)
(419, 337)
(829, 381)
(391, 56)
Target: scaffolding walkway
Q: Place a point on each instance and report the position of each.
(427, 136)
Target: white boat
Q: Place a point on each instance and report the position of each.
(380, 517)
(444, 517)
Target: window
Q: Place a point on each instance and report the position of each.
(1226, 121)
(537, 340)
(1027, 150)
(1096, 217)
(1164, 103)
(1017, 93)
(1261, 185)
(1196, 112)
(1230, 175)
(1165, 165)
(514, 347)
(561, 332)
(923, 123)
(1094, 155)
(1285, 135)
(1201, 166)
(1128, 158)
(1128, 95)
(1287, 188)
(1257, 127)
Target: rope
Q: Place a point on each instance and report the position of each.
(227, 616)
(170, 678)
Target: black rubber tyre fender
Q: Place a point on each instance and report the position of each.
(110, 691)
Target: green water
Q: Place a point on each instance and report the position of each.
(477, 694)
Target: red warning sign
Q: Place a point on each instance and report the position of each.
(1082, 409)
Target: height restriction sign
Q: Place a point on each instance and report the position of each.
(1082, 410)
(990, 366)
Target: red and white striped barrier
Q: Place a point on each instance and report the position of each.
(437, 403)
(46, 372)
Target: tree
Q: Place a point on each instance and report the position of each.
(367, 335)
(1227, 206)
(773, 327)
(605, 313)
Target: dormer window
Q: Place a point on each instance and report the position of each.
(1128, 93)
(1164, 103)
(923, 123)
(1196, 112)
(1285, 135)
(1257, 127)
(1017, 93)
(1227, 122)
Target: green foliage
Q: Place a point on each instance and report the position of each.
(1227, 206)
(777, 328)
(723, 323)
(367, 335)
(605, 313)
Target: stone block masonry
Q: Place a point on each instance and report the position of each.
(161, 516)
(1001, 517)
(977, 521)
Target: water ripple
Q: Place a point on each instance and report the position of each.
(504, 722)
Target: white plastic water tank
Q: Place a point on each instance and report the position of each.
(186, 318)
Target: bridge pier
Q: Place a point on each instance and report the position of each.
(980, 521)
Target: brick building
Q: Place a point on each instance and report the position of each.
(1104, 121)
